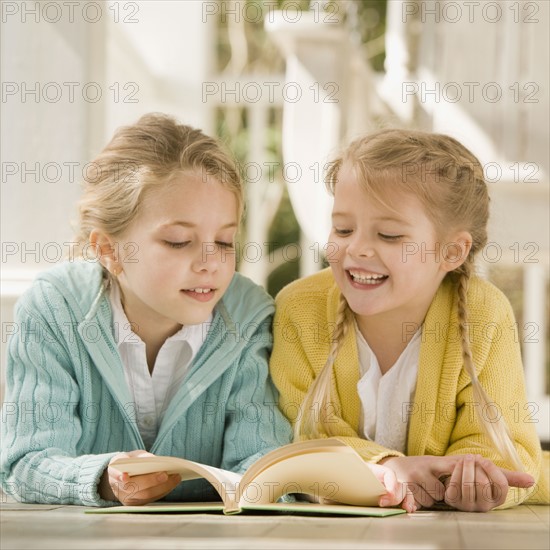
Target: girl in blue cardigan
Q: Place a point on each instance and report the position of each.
(149, 342)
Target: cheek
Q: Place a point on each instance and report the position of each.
(229, 267)
(407, 254)
(334, 251)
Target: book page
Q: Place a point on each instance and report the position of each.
(292, 449)
(225, 482)
(338, 476)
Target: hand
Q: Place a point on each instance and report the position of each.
(421, 475)
(478, 485)
(397, 492)
(136, 490)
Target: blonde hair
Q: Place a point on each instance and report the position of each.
(449, 182)
(149, 153)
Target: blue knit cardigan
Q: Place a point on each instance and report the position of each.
(68, 408)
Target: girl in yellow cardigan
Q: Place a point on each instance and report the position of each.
(399, 349)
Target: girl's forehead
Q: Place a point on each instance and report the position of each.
(389, 201)
(189, 197)
(187, 182)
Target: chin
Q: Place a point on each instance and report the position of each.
(363, 309)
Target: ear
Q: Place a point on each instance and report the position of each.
(106, 249)
(455, 251)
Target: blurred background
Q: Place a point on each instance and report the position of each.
(285, 84)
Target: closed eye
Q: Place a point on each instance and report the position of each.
(224, 244)
(177, 244)
(390, 237)
(342, 232)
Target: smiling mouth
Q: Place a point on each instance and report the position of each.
(363, 278)
(199, 294)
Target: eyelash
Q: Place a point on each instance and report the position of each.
(225, 245)
(390, 237)
(183, 244)
(346, 232)
(176, 245)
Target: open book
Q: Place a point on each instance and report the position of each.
(325, 469)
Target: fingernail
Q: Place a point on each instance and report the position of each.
(162, 477)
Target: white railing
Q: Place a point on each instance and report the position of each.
(405, 38)
(257, 95)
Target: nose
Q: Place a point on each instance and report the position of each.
(207, 259)
(359, 246)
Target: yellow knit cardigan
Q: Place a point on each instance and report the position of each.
(443, 420)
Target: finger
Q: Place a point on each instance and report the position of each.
(494, 473)
(152, 494)
(453, 487)
(482, 479)
(423, 497)
(444, 466)
(438, 490)
(499, 480)
(468, 482)
(513, 478)
(384, 475)
(395, 490)
(518, 479)
(137, 484)
(140, 453)
(133, 496)
(485, 500)
(117, 476)
(409, 503)
(115, 472)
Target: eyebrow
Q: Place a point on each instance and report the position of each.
(379, 218)
(189, 224)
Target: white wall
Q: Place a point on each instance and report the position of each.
(94, 67)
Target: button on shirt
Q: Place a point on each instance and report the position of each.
(384, 398)
(152, 392)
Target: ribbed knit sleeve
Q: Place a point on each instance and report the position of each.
(497, 358)
(41, 426)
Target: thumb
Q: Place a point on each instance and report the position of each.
(513, 478)
(518, 479)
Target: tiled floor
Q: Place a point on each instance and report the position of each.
(45, 527)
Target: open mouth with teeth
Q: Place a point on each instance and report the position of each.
(200, 294)
(360, 278)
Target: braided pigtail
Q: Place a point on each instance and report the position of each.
(318, 404)
(449, 182)
(497, 431)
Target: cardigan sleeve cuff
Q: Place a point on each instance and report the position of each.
(90, 474)
(375, 459)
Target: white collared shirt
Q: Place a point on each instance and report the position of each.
(152, 392)
(385, 398)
